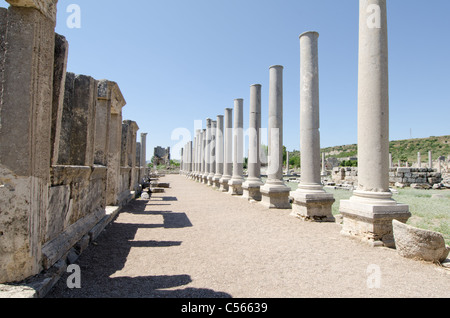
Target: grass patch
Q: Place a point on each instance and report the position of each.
(427, 213)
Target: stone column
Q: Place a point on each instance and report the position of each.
(324, 168)
(203, 166)
(252, 185)
(194, 158)
(311, 201)
(369, 213)
(430, 160)
(228, 150)
(143, 155)
(207, 151)
(190, 159)
(182, 161)
(391, 164)
(212, 156)
(287, 162)
(419, 160)
(275, 193)
(199, 153)
(27, 32)
(219, 151)
(235, 184)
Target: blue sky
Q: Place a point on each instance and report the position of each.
(177, 61)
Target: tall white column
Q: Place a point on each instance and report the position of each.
(287, 162)
(207, 151)
(188, 158)
(275, 193)
(212, 156)
(197, 141)
(181, 161)
(324, 168)
(143, 154)
(369, 213)
(202, 155)
(228, 150)
(419, 160)
(219, 151)
(311, 202)
(251, 187)
(235, 184)
(430, 159)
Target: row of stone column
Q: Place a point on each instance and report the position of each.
(214, 146)
(369, 213)
(419, 161)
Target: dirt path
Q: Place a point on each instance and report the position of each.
(193, 241)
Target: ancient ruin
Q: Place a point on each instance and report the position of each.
(67, 160)
(70, 162)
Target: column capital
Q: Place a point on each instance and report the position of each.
(309, 33)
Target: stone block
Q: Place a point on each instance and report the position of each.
(315, 207)
(45, 7)
(372, 222)
(419, 244)
(59, 79)
(276, 196)
(78, 121)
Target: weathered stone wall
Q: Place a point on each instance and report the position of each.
(405, 177)
(398, 177)
(60, 146)
(27, 56)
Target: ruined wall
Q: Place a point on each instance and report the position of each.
(60, 147)
(398, 177)
(25, 130)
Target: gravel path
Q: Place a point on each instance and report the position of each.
(193, 241)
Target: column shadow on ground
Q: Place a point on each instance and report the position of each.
(101, 261)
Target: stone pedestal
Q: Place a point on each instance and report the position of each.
(369, 213)
(251, 187)
(235, 184)
(310, 206)
(275, 194)
(370, 220)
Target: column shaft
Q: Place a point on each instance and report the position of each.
(238, 144)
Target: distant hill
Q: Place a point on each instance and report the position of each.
(404, 150)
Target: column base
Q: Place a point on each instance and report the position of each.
(315, 207)
(371, 220)
(235, 186)
(216, 181)
(224, 187)
(204, 179)
(210, 180)
(252, 190)
(275, 195)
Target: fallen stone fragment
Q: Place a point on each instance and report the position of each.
(419, 244)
